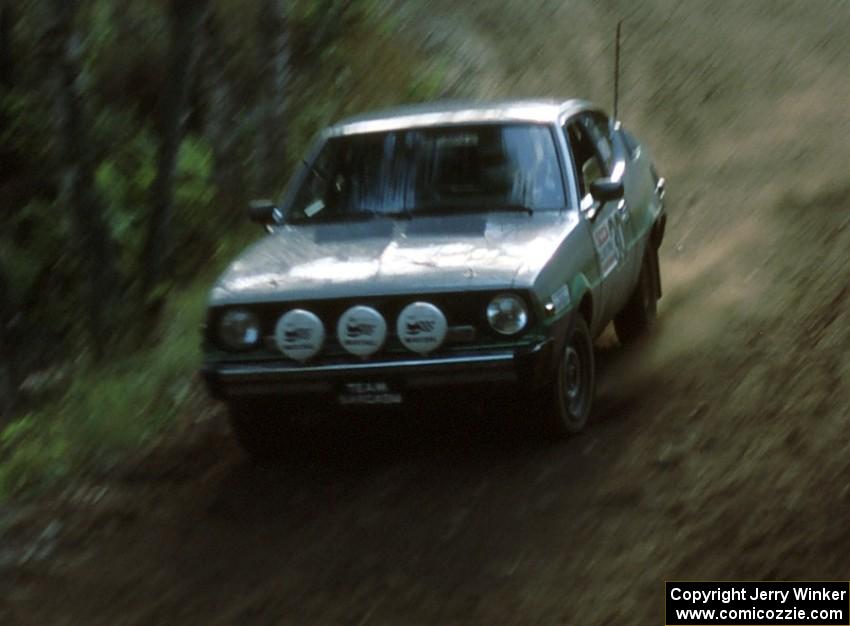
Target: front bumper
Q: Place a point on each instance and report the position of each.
(527, 368)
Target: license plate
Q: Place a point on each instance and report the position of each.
(369, 393)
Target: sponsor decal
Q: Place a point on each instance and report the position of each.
(377, 387)
(601, 234)
(421, 327)
(609, 247)
(620, 241)
(292, 335)
(561, 298)
(356, 329)
(361, 330)
(299, 334)
(371, 398)
(377, 392)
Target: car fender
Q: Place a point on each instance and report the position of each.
(579, 291)
(585, 295)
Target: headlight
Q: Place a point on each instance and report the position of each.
(238, 329)
(507, 314)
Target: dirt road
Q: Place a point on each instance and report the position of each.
(719, 447)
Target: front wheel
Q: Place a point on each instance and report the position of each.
(569, 397)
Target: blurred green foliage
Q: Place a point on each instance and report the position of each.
(109, 410)
(343, 58)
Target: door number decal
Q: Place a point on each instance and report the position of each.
(610, 244)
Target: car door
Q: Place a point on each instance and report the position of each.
(621, 168)
(593, 158)
(644, 193)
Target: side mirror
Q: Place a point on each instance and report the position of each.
(264, 212)
(606, 189)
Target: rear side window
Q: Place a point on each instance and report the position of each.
(597, 128)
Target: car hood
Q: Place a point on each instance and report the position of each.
(389, 257)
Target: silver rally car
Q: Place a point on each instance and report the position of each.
(433, 249)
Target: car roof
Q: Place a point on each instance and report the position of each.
(444, 113)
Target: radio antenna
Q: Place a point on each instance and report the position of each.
(617, 68)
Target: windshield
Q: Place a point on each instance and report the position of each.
(442, 170)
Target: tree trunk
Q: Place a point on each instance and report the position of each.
(275, 63)
(7, 162)
(219, 125)
(332, 24)
(185, 18)
(91, 232)
(6, 20)
(8, 384)
(8, 380)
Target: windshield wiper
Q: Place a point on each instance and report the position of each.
(439, 209)
(330, 218)
(404, 214)
(513, 206)
(353, 216)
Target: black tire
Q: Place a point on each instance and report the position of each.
(569, 397)
(638, 315)
(259, 428)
